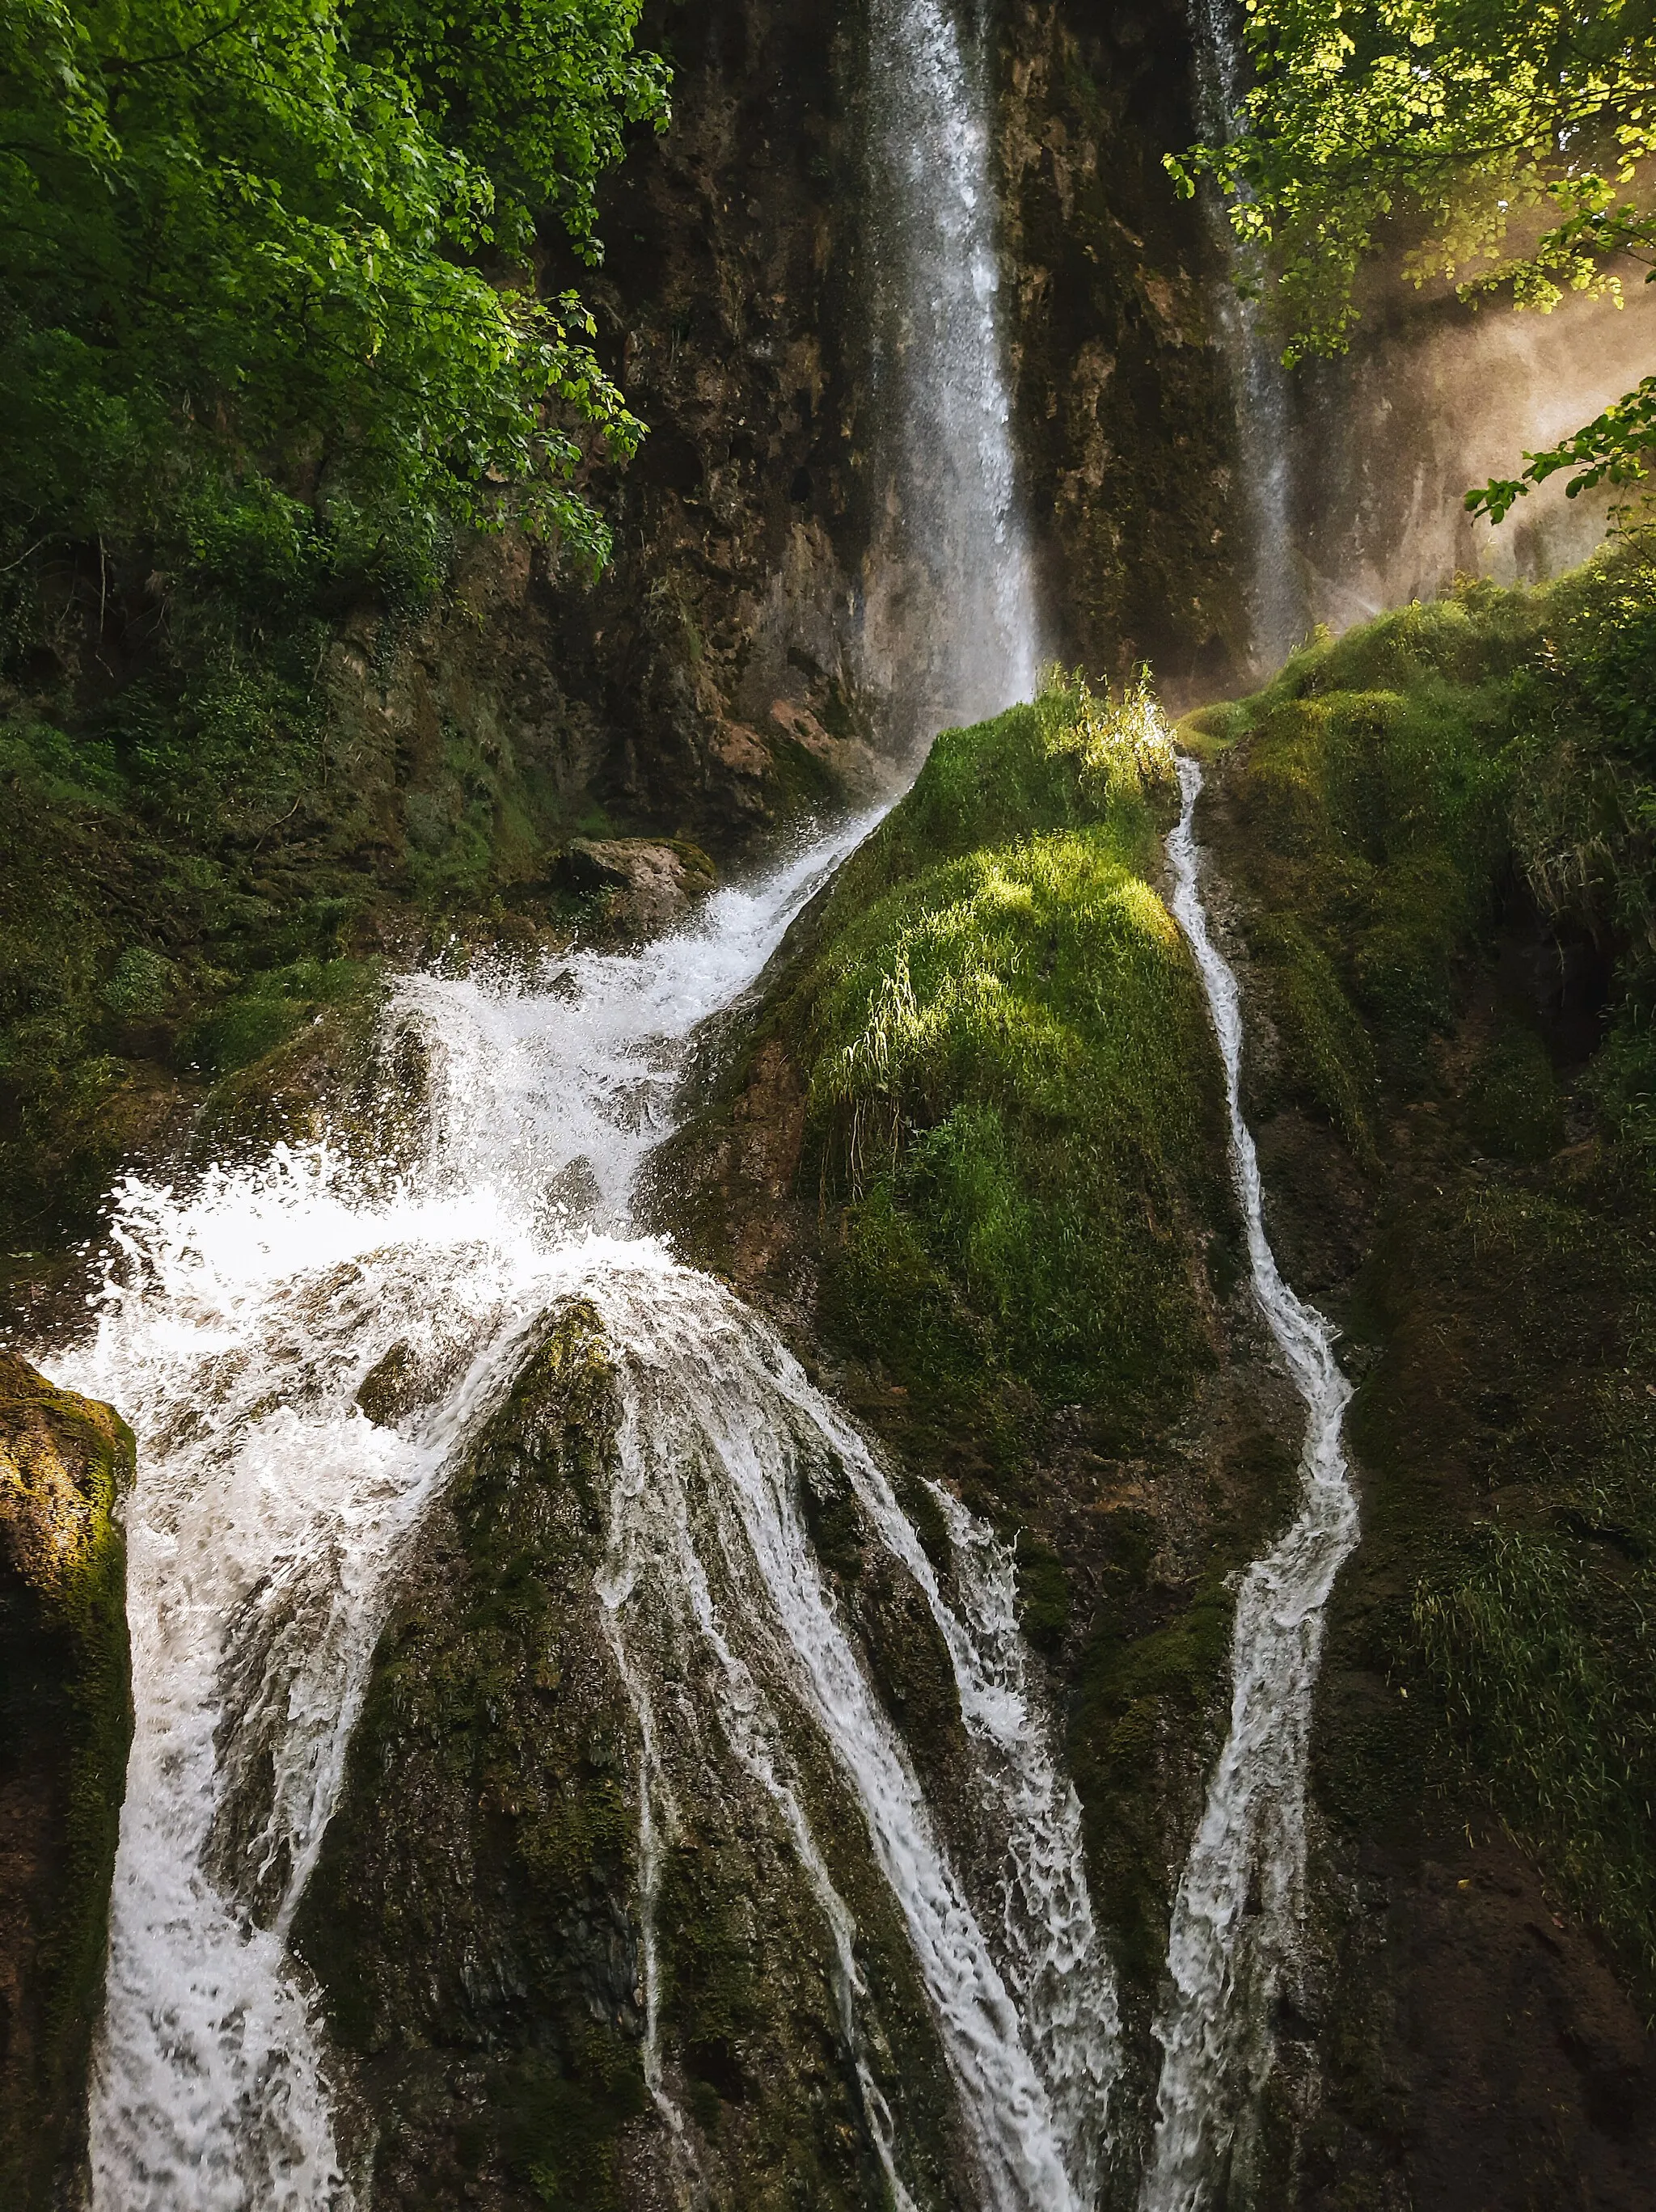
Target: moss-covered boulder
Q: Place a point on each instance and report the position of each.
(642, 884)
(65, 1463)
(475, 1922)
(472, 1921)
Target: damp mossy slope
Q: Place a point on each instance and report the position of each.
(65, 1462)
(1435, 836)
(1007, 1069)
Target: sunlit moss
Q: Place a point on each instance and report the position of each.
(1008, 1058)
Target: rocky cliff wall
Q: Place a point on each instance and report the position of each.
(734, 303)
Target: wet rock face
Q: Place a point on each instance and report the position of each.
(475, 1920)
(1466, 2033)
(471, 1920)
(65, 1462)
(1121, 395)
(713, 681)
(646, 886)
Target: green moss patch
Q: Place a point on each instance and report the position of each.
(65, 1463)
(1009, 1070)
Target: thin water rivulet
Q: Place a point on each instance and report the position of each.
(1238, 1912)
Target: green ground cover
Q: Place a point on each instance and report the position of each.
(1008, 1064)
(1441, 827)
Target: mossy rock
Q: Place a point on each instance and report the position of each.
(65, 1462)
(475, 1919)
(472, 1920)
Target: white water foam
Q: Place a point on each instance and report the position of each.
(240, 1322)
(1239, 1908)
(710, 1553)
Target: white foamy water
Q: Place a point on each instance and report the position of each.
(950, 619)
(710, 1556)
(242, 1317)
(1238, 1914)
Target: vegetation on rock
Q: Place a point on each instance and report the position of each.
(1005, 1057)
(1509, 140)
(1438, 828)
(65, 1463)
(983, 1097)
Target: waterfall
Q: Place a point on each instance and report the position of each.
(1238, 1913)
(244, 1311)
(238, 1324)
(1260, 385)
(951, 623)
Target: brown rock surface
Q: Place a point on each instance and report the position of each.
(646, 885)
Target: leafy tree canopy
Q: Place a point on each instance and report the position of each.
(257, 267)
(1505, 137)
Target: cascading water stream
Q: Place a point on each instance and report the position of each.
(1259, 382)
(238, 1322)
(951, 624)
(709, 1552)
(1239, 1912)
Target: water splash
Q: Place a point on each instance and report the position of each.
(711, 1554)
(1239, 1908)
(950, 620)
(239, 1321)
(581, 1073)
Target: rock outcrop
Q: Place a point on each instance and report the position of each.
(65, 1463)
(644, 884)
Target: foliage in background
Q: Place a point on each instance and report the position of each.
(535, 94)
(272, 336)
(248, 289)
(1506, 139)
